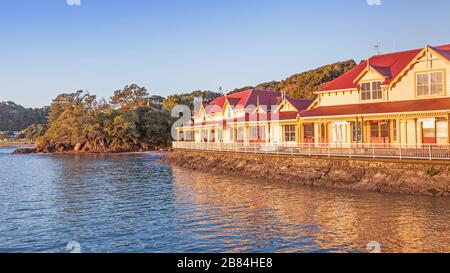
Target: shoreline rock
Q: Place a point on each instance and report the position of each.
(406, 177)
(24, 151)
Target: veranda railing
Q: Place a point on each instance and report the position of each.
(395, 151)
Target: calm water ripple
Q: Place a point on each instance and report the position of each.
(132, 203)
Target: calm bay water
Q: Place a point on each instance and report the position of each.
(132, 203)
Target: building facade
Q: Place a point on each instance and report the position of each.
(251, 116)
(396, 98)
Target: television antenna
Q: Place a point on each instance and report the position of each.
(377, 49)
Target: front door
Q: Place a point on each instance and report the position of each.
(379, 131)
(429, 131)
(308, 130)
(339, 132)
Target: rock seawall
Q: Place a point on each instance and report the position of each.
(407, 177)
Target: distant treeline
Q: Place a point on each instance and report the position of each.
(15, 117)
(304, 84)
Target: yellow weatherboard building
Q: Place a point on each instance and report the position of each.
(392, 99)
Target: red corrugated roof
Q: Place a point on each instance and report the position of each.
(300, 104)
(215, 106)
(380, 108)
(389, 65)
(250, 97)
(245, 99)
(254, 97)
(443, 50)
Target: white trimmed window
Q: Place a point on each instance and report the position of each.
(290, 132)
(430, 84)
(371, 91)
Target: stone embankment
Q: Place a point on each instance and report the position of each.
(407, 177)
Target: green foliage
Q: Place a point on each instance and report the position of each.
(32, 132)
(188, 99)
(79, 122)
(130, 98)
(14, 117)
(304, 84)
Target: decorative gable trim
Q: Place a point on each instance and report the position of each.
(436, 52)
(407, 67)
(368, 69)
(282, 104)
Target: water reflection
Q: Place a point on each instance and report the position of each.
(132, 203)
(289, 218)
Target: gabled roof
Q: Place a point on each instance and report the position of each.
(299, 104)
(254, 97)
(269, 100)
(390, 66)
(444, 51)
(215, 106)
(245, 99)
(379, 108)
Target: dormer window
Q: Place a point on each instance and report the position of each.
(430, 83)
(371, 91)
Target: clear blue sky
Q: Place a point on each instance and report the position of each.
(173, 46)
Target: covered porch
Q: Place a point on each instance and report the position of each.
(417, 128)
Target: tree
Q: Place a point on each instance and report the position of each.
(188, 99)
(130, 97)
(79, 122)
(32, 132)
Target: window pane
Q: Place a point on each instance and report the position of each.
(253, 133)
(290, 133)
(356, 131)
(384, 129)
(376, 90)
(422, 90)
(436, 77)
(423, 84)
(374, 130)
(262, 132)
(309, 130)
(436, 87)
(365, 91)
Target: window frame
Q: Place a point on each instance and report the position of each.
(290, 133)
(357, 131)
(429, 84)
(369, 95)
(309, 129)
